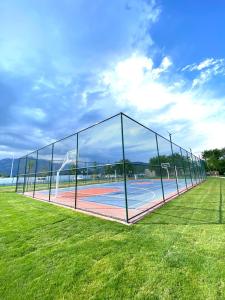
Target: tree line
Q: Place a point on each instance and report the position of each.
(215, 160)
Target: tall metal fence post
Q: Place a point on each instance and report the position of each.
(196, 169)
(189, 169)
(159, 162)
(17, 174)
(193, 166)
(24, 181)
(124, 168)
(76, 169)
(51, 170)
(200, 162)
(175, 168)
(203, 169)
(35, 174)
(183, 166)
(199, 168)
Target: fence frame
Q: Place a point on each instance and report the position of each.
(194, 164)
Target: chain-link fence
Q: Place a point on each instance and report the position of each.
(117, 168)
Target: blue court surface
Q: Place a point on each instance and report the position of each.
(139, 192)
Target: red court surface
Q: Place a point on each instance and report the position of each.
(67, 198)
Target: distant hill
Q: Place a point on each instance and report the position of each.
(5, 166)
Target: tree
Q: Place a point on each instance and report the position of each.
(176, 159)
(215, 160)
(94, 169)
(128, 165)
(30, 166)
(108, 169)
(72, 170)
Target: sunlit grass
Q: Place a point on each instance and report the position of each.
(7, 188)
(177, 252)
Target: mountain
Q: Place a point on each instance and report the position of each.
(43, 166)
(5, 166)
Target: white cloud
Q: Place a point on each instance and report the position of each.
(136, 86)
(43, 82)
(207, 69)
(164, 66)
(206, 63)
(202, 65)
(166, 63)
(212, 131)
(35, 113)
(133, 82)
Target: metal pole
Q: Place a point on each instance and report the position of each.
(195, 175)
(50, 185)
(12, 166)
(24, 181)
(175, 169)
(183, 168)
(76, 169)
(35, 174)
(189, 168)
(159, 162)
(202, 172)
(203, 169)
(199, 171)
(200, 168)
(17, 175)
(196, 168)
(124, 168)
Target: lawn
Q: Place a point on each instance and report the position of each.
(7, 188)
(177, 252)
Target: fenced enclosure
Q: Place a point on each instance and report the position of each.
(117, 168)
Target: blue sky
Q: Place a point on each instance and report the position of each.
(67, 64)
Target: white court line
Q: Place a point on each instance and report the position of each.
(137, 203)
(149, 190)
(122, 197)
(142, 189)
(145, 201)
(116, 184)
(165, 184)
(112, 196)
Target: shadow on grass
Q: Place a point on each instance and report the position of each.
(196, 212)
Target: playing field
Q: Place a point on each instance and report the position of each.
(109, 198)
(177, 252)
(117, 168)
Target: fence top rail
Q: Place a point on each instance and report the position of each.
(72, 134)
(100, 122)
(155, 132)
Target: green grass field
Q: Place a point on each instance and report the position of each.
(7, 188)
(177, 252)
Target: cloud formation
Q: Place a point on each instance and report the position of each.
(64, 66)
(208, 68)
(139, 87)
(50, 59)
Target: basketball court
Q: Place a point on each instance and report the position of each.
(109, 198)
